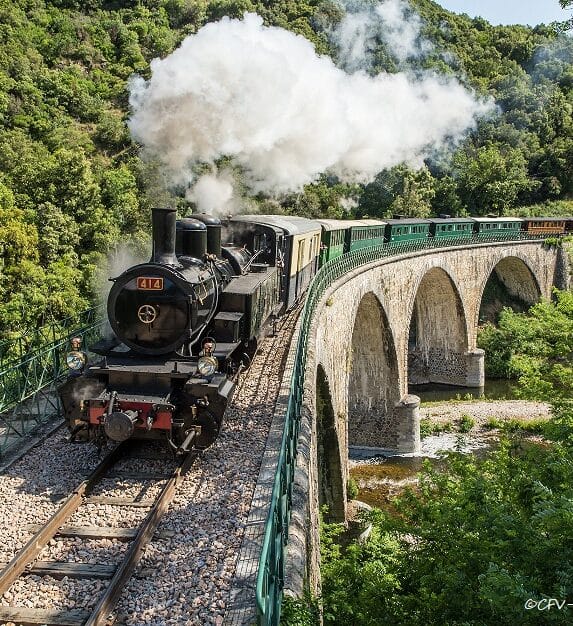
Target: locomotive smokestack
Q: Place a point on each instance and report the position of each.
(163, 223)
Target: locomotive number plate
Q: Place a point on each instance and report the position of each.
(148, 283)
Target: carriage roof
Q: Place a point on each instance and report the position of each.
(291, 224)
(344, 224)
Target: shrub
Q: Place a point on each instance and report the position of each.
(465, 423)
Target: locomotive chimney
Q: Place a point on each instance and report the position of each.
(163, 224)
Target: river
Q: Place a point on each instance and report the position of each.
(381, 478)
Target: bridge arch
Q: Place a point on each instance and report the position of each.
(438, 337)
(329, 464)
(514, 275)
(373, 377)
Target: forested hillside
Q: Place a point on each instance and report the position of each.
(72, 184)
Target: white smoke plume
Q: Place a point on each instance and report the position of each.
(262, 97)
(391, 21)
(348, 204)
(123, 257)
(213, 193)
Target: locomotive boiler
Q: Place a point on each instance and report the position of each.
(183, 325)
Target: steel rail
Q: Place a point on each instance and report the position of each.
(146, 531)
(100, 614)
(48, 531)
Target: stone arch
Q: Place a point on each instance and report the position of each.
(373, 377)
(511, 282)
(438, 331)
(331, 478)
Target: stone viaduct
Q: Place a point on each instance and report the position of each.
(410, 318)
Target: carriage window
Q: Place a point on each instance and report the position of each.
(300, 254)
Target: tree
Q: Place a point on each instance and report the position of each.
(399, 190)
(534, 347)
(490, 178)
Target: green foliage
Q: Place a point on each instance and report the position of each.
(549, 208)
(77, 188)
(300, 611)
(491, 178)
(400, 190)
(533, 347)
(351, 489)
(324, 199)
(429, 427)
(425, 427)
(470, 545)
(465, 423)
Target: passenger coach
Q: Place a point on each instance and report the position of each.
(290, 241)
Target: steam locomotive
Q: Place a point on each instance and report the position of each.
(185, 324)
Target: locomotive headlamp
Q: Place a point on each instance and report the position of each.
(76, 360)
(207, 365)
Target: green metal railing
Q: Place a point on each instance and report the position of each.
(270, 577)
(22, 344)
(30, 370)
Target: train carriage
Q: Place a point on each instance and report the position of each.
(544, 225)
(407, 229)
(451, 227)
(342, 236)
(497, 226)
(333, 238)
(300, 241)
(364, 234)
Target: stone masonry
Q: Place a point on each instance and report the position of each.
(410, 317)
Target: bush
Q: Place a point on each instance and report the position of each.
(351, 489)
(469, 545)
(465, 423)
(300, 611)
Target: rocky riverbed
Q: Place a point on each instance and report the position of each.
(381, 478)
(482, 411)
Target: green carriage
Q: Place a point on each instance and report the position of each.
(407, 229)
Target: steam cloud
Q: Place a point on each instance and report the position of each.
(392, 22)
(264, 98)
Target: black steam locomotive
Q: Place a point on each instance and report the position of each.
(185, 324)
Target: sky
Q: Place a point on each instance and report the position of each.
(530, 12)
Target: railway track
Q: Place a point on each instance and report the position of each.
(24, 562)
(186, 575)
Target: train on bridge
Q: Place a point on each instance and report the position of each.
(188, 321)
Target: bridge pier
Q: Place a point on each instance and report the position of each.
(407, 416)
(475, 364)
